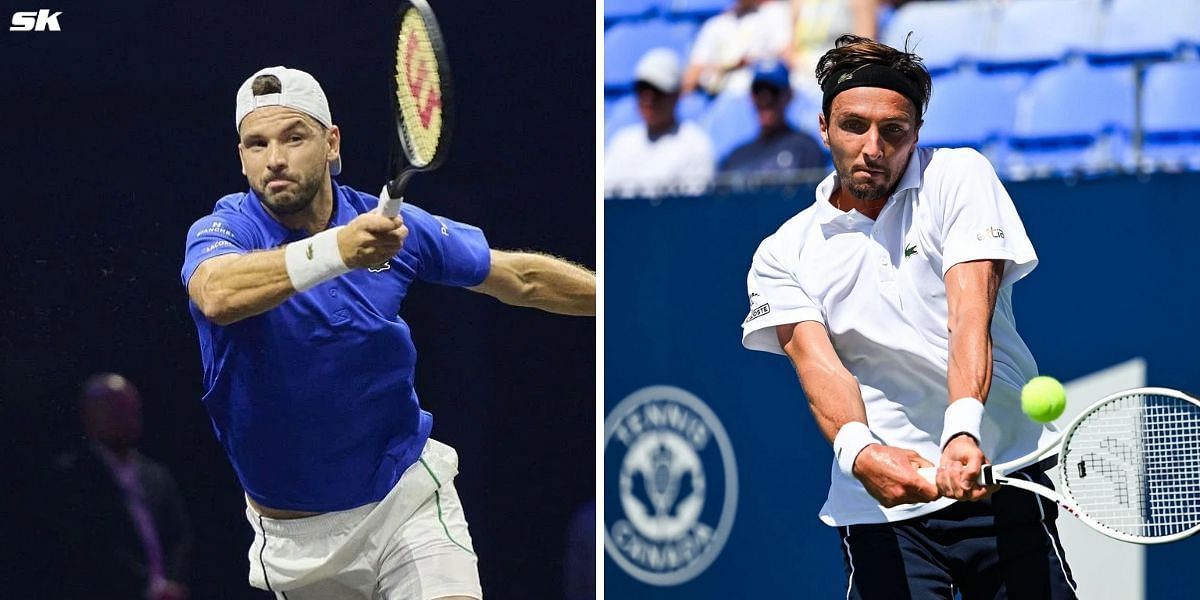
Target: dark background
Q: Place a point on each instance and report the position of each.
(118, 133)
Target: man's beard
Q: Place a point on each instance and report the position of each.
(288, 202)
(867, 192)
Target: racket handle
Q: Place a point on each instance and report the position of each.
(930, 474)
(388, 206)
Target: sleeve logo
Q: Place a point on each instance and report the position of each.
(990, 232)
(215, 245)
(216, 227)
(758, 312)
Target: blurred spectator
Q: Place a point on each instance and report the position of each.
(581, 553)
(779, 147)
(817, 23)
(119, 519)
(660, 155)
(748, 32)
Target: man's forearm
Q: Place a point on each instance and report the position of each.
(230, 288)
(560, 286)
(969, 374)
(971, 291)
(833, 398)
(888, 473)
(543, 282)
(833, 393)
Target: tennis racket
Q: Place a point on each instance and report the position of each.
(1129, 466)
(421, 98)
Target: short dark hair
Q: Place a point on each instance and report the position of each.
(269, 84)
(266, 84)
(852, 51)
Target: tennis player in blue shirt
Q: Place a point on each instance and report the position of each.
(296, 287)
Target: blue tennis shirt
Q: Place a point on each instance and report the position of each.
(313, 400)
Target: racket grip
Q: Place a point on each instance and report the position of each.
(388, 206)
(930, 475)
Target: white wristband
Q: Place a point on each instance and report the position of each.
(962, 416)
(849, 441)
(314, 260)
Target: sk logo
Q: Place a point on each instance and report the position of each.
(42, 20)
(417, 72)
(910, 250)
(380, 268)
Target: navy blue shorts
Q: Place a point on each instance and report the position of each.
(1004, 547)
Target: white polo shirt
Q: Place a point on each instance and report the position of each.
(727, 39)
(879, 289)
(681, 162)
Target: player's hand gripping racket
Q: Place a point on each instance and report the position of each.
(421, 97)
(1129, 466)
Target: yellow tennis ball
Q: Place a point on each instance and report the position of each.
(1043, 399)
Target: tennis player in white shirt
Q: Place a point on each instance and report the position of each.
(892, 296)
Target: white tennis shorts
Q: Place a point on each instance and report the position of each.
(413, 544)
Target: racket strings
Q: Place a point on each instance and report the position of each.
(418, 90)
(1133, 465)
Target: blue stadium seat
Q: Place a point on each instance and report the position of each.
(971, 109)
(621, 111)
(945, 34)
(1170, 120)
(694, 9)
(618, 10)
(1146, 30)
(692, 107)
(1073, 118)
(802, 113)
(609, 101)
(730, 122)
(625, 43)
(1033, 34)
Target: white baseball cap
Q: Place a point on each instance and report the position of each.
(298, 90)
(659, 67)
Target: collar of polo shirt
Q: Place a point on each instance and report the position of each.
(833, 220)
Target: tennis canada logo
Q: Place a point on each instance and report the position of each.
(670, 484)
